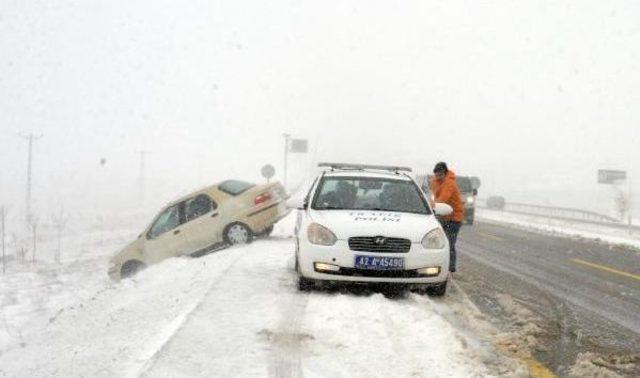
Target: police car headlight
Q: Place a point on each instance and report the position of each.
(320, 235)
(470, 200)
(434, 239)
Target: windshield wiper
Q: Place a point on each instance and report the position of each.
(399, 210)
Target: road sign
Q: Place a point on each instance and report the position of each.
(268, 171)
(298, 145)
(607, 176)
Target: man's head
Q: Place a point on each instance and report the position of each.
(440, 170)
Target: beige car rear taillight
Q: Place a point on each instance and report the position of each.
(262, 198)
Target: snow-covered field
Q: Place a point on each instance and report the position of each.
(236, 312)
(32, 293)
(602, 233)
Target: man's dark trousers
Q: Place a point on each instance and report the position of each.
(451, 228)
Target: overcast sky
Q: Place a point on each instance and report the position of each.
(532, 97)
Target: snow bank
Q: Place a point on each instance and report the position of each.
(564, 227)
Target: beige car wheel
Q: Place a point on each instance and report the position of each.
(238, 233)
(130, 268)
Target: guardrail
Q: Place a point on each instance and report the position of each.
(563, 213)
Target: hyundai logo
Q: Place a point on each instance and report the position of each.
(380, 240)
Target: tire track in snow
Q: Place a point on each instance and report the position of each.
(155, 348)
(286, 359)
(399, 348)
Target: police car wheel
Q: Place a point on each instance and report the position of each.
(305, 284)
(437, 290)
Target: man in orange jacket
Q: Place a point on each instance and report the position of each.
(445, 190)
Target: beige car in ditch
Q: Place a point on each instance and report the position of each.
(231, 212)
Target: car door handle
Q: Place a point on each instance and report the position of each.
(214, 215)
(176, 232)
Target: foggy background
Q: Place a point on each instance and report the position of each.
(531, 97)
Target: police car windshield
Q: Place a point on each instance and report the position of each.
(369, 193)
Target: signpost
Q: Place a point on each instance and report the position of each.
(294, 146)
(268, 171)
(616, 177)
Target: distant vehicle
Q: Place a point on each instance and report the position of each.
(468, 186)
(370, 224)
(469, 192)
(231, 212)
(496, 203)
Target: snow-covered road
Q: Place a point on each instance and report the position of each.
(237, 312)
(253, 322)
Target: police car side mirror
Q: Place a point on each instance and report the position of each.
(296, 203)
(442, 209)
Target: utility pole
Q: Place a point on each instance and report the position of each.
(141, 184)
(286, 155)
(31, 137)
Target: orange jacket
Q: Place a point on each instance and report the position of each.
(446, 191)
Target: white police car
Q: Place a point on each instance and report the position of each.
(370, 224)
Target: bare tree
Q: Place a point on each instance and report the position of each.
(33, 222)
(59, 223)
(17, 245)
(3, 214)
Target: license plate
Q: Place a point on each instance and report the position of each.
(379, 262)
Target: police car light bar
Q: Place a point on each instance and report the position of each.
(364, 166)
